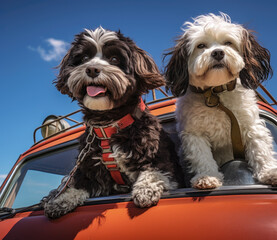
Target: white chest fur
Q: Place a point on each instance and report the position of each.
(211, 123)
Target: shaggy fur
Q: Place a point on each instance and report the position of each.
(144, 153)
(212, 52)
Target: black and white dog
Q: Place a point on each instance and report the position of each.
(214, 53)
(124, 147)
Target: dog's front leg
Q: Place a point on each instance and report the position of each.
(65, 202)
(260, 154)
(197, 150)
(148, 188)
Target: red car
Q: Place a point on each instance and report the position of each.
(242, 209)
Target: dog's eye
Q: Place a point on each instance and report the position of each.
(85, 58)
(201, 45)
(114, 60)
(228, 43)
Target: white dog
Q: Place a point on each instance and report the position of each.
(215, 52)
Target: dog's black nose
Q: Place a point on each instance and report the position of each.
(92, 72)
(218, 54)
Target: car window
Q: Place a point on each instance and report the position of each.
(37, 176)
(34, 186)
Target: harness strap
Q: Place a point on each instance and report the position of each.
(104, 133)
(238, 147)
(212, 100)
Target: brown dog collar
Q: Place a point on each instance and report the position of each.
(230, 86)
(210, 94)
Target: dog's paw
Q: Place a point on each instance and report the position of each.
(269, 177)
(146, 197)
(65, 203)
(55, 210)
(206, 182)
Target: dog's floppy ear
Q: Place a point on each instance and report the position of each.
(146, 71)
(257, 62)
(61, 81)
(176, 71)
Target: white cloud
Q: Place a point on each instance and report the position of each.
(57, 50)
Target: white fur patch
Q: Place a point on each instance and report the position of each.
(98, 103)
(100, 36)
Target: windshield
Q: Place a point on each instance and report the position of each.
(37, 176)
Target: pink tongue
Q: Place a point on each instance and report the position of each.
(94, 91)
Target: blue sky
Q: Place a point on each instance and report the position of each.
(35, 35)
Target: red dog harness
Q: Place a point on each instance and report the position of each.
(104, 134)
